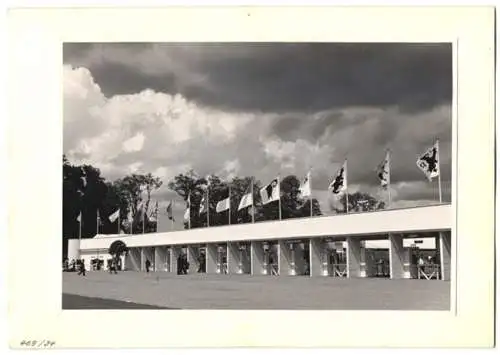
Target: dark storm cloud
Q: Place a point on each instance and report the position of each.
(278, 77)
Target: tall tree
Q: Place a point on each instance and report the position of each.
(136, 190)
(84, 191)
(193, 186)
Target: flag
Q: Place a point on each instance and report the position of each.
(170, 214)
(113, 217)
(79, 218)
(203, 203)
(187, 214)
(384, 171)
(247, 199)
(224, 204)
(305, 187)
(270, 192)
(154, 213)
(130, 217)
(339, 184)
(429, 162)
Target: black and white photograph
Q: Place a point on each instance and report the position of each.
(198, 175)
(251, 177)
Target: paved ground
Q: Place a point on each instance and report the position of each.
(201, 291)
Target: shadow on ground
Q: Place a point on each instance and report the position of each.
(82, 302)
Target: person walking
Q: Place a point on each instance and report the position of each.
(82, 267)
(148, 265)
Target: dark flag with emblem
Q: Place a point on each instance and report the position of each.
(270, 192)
(170, 214)
(384, 171)
(429, 162)
(339, 183)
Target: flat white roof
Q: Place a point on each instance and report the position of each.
(409, 220)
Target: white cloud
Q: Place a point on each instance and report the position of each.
(167, 134)
(134, 144)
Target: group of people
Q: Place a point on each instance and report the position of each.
(74, 265)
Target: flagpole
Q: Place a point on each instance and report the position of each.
(389, 177)
(208, 205)
(208, 199)
(143, 219)
(80, 227)
(346, 187)
(131, 220)
(119, 221)
(229, 197)
(310, 191)
(97, 222)
(279, 194)
(157, 217)
(439, 171)
(253, 208)
(172, 220)
(189, 209)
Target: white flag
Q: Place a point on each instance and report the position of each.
(384, 171)
(305, 187)
(113, 217)
(339, 184)
(429, 162)
(203, 203)
(187, 213)
(79, 218)
(270, 192)
(246, 200)
(222, 205)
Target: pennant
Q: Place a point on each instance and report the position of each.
(79, 218)
(384, 171)
(170, 213)
(113, 217)
(270, 192)
(247, 199)
(339, 184)
(429, 162)
(305, 187)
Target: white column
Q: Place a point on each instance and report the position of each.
(396, 256)
(134, 259)
(245, 258)
(283, 251)
(211, 257)
(193, 253)
(161, 258)
(257, 259)
(363, 264)
(300, 263)
(445, 255)
(353, 257)
(141, 267)
(175, 251)
(315, 251)
(233, 258)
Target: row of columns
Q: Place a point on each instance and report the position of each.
(286, 258)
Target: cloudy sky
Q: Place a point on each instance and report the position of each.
(261, 109)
